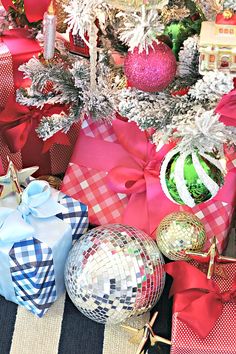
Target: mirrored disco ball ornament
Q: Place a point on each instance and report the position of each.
(114, 272)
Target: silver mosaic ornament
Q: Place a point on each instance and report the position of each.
(114, 272)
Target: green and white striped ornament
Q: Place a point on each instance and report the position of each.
(191, 178)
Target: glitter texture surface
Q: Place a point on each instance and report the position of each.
(150, 72)
(179, 232)
(114, 272)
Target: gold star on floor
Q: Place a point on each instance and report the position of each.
(14, 178)
(212, 259)
(141, 336)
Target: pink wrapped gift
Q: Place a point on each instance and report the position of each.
(203, 310)
(115, 171)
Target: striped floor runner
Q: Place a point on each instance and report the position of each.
(64, 330)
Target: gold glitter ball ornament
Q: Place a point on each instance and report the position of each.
(179, 232)
(58, 6)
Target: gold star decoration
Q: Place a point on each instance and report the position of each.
(14, 178)
(141, 336)
(212, 259)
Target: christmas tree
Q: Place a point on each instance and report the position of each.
(144, 65)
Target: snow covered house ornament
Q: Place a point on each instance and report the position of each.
(217, 45)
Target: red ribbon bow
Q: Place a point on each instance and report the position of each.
(133, 168)
(34, 10)
(198, 301)
(17, 122)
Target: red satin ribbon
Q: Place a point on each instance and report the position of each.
(16, 123)
(34, 10)
(198, 301)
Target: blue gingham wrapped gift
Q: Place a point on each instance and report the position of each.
(35, 239)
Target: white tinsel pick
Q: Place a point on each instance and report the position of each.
(206, 133)
(82, 14)
(140, 31)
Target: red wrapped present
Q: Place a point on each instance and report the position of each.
(20, 142)
(18, 138)
(203, 310)
(16, 48)
(115, 171)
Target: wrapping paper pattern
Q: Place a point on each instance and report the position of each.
(105, 206)
(76, 216)
(221, 340)
(32, 271)
(216, 217)
(15, 48)
(7, 82)
(84, 183)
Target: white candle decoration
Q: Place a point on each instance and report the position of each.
(49, 31)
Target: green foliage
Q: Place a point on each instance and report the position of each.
(180, 31)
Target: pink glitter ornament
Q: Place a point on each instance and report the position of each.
(150, 72)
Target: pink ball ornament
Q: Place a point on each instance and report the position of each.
(150, 72)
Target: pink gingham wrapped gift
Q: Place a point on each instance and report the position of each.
(97, 153)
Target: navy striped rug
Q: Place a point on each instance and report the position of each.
(64, 330)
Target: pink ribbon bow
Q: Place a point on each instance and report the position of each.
(137, 175)
(133, 168)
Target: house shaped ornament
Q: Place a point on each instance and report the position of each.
(217, 44)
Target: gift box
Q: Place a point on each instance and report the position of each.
(203, 310)
(35, 239)
(16, 48)
(53, 161)
(18, 138)
(74, 213)
(115, 171)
